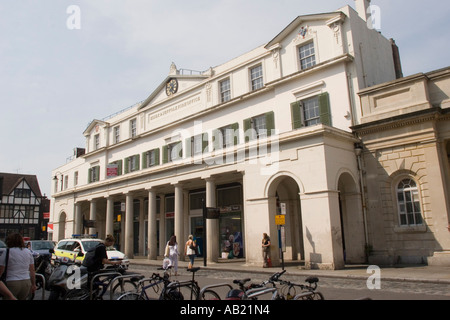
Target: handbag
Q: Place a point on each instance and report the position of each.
(167, 252)
(3, 277)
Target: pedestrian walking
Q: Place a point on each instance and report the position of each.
(173, 253)
(18, 263)
(190, 250)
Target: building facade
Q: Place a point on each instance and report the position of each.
(22, 206)
(265, 134)
(405, 134)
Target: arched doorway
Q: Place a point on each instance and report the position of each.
(62, 226)
(352, 219)
(283, 193)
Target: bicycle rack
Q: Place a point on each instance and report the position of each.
(215, 286)
(91, 285)
(43, 284)
(110, 285)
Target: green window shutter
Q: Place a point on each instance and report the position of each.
(156, 151)
(137, 162)
(119, 167)
(297, 114)
(324, 109)
(97, 173)
(248, 129)
(205, 142)
(216, 139)
(188, 147)
(144, 160)
(165, 154)
(89, 175)
(235, 128)
(127, 167)
(270, 122)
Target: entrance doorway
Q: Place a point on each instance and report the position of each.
(285, 190)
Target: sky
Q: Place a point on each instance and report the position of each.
(64, 63)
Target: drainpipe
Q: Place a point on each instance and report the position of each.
(358, 152)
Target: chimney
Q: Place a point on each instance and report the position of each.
(362, 7)
(397, 61)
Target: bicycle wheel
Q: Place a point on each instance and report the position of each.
(77, 294)
(123, 287)
(131, 296)
(318, 296)
(210, 295)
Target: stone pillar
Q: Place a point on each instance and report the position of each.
(151, 238)
(212, 225)
(129, 226)
(109, 215)
(322, 230)
(93, 215)
(179, 224)
(141, 226)
(162, 224)
(78, 219)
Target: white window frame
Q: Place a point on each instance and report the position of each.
(225, 90)
(306, 58)
(408, 203)
(256, 78)
(133, 128)
(117, 134)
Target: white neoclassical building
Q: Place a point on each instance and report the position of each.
(265, 134)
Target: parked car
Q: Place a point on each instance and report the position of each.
(40, 246)
(70, 248)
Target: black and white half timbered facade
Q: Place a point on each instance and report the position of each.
(21, 206)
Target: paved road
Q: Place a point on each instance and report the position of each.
(332, 288)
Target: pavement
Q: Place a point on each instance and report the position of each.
(410, 273)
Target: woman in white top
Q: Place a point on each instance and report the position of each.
(173, 253)
(20, 274)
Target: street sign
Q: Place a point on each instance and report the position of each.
(280, 219)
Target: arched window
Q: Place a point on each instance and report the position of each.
(408, 203)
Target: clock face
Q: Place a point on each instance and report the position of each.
(171, 87)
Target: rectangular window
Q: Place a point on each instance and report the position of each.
(22, 193)
(225, 90)
(133, 131)
(116, 134)
(256, 77)
(96, 141)
(311, 111)
(226, 136)
(260, 126)
(172, 152)
(75, 178)
(132, 163)
(307, 56)
(66, 182)
(150, 158)
(94, 174)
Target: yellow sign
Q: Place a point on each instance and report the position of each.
(280, 219)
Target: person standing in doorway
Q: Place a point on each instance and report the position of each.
(266, 250)
(189, 250)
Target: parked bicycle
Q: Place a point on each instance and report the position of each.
(295, 291)
(101, 281)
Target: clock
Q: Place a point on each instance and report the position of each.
(171, 87)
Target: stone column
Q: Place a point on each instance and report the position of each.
(109, 215)
(212, 225)
(78, 219)
(152, 241)
(93, 215)
(179, 224)
(129, 226)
